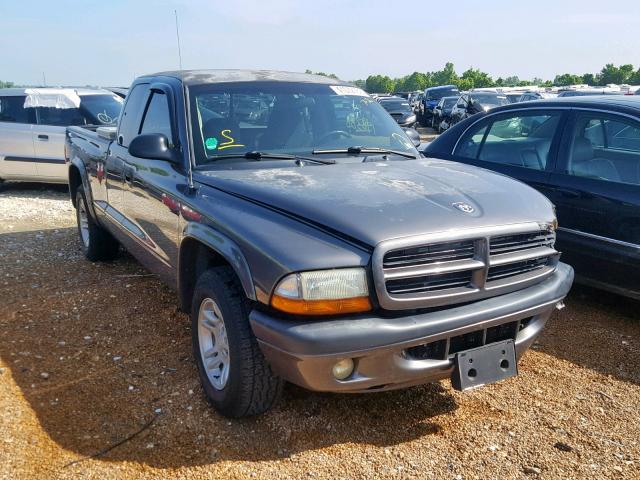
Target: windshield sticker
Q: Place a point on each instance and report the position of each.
(345, 90)
(359, 124)
(230, 143)
(211, 143)
(105, 118)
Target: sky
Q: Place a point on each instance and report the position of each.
(109, 43)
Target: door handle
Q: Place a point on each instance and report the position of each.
(43, 138)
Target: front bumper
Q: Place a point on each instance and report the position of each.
(304, 352)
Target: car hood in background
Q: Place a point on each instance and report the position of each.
(376, 201)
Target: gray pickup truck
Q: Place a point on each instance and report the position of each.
(309, 240)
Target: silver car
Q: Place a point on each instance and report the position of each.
(33, 123)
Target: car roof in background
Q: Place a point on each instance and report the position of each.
(596, 101)
(440, 87)
(18, 92)
(199, 77)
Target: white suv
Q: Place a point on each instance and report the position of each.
(33, 123)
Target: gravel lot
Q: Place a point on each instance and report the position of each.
(90, 354)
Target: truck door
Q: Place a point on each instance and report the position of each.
(17, 154)
(151, 199)
(113, 169)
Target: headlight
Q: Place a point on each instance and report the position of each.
(323, 292)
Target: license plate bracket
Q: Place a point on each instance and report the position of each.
(483, 365)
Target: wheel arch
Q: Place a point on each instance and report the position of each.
(78, 177)
(203, 247)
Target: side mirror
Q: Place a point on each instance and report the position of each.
(154, 146)
(413, 135)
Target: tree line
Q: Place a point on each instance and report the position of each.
(474, 78)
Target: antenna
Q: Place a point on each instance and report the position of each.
(44, 80)
(185, 101)
(178, 37)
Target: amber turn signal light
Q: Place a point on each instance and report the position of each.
(321, 307)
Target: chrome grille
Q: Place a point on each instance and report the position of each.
(440, 252)
(522, 241)
(448, 268)
(518, 268)
(429, 283)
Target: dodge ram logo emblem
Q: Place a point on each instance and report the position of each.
(464, 207)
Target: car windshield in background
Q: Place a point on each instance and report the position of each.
(391, 106)
(490, 99)
(101, 109)
(287, 118)
(442, 92)
(450, 102)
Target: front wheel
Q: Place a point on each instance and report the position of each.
(235, 376)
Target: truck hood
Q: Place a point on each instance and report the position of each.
(375, 201)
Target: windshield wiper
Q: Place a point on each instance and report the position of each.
(255, 155)
(358, 150)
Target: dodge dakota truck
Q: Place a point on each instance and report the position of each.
(308, 239)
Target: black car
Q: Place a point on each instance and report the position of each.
(400, 110)
(476, 102)
(583, 153)
(441, 119)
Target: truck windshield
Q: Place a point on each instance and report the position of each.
(439, 93)
(288, 117)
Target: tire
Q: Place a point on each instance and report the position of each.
(97, 244)
(237, 380)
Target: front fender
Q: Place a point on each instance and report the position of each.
(225, 247)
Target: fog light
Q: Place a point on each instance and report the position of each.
(342, 369)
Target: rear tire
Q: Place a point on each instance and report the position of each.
(97, 244)
(235, 376)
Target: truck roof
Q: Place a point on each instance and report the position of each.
(18, 92)
(199, 77)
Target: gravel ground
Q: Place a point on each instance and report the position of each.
(91, 354)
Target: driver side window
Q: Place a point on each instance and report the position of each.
(157, 118)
